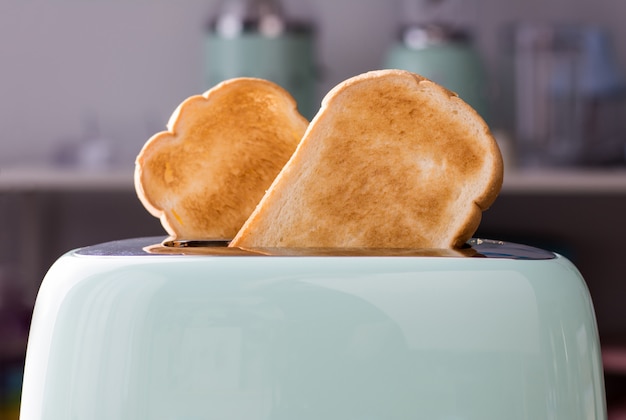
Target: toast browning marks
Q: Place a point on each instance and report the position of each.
(222, 150)
(391, 160)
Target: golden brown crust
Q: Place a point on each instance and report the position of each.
(206, 173)
(391, 160)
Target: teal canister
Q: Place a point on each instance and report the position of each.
(445, 56)
(254, 39)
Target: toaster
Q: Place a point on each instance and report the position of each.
(150, 328)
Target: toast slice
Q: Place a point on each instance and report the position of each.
(222, 150)
(391, 160)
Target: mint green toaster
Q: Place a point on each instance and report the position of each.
(147, 329)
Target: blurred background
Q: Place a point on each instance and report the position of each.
(84, 83)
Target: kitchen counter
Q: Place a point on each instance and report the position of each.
(540, 181)
(47, 179)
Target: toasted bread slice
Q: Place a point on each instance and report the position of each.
(222, 150)
(391, 160)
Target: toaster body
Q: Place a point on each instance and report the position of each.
(120, 333)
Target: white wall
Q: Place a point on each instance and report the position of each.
(127, 64)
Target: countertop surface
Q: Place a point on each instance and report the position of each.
(552, 181)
